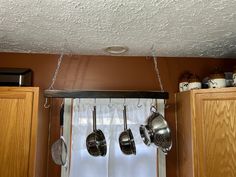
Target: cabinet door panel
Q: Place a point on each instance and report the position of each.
(15, 132)
(215, 135)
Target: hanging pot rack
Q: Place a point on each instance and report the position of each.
(53, 93)
(105, 94)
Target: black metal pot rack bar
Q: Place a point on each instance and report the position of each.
(105, 94)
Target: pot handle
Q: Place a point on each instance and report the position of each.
(125, 118)
(61, 119)
(94, 119)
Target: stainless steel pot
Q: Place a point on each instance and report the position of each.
(126, 139)
(157, 131)
(96, 142)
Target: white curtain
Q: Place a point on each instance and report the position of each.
(110, 121)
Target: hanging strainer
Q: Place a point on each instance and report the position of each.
(59, 148)
(157, 131)
(162, 139)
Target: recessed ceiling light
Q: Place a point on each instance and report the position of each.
(116, 49)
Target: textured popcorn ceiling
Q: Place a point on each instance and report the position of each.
(174, 27)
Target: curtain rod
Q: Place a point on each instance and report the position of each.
(105, 94)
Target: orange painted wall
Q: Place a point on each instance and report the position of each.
(100, 72)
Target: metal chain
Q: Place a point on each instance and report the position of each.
(157, 69)
(158, 74)
(46, 104)
(56, 72)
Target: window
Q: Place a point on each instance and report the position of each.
(110, 121)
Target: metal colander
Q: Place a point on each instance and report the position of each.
(156, 131)
(59, 152)
(162, 139)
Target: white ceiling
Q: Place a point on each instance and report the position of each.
(174, 27)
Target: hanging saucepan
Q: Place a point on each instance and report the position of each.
(126, 139)
(157, 131)
(96, 142)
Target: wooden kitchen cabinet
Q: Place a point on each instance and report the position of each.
(206, 133)
(18, 130)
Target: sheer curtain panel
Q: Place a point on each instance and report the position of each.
(79, 124)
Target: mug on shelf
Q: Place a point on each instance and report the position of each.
(234, 78)
(217, 81)
(194, 83)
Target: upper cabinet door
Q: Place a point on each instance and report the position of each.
(215, 134)
(18, 131)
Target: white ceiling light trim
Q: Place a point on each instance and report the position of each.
(176, 27)
(116, 49)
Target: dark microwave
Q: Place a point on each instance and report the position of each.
(15, 77)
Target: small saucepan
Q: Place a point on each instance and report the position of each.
(96, 142)
(126, 139)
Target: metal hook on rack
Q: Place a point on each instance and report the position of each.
(110, 104)
(156, 104)
(165, 104)
(139, 105)
(46, 104)
(93, 105)
(95, 102)
(153, 103)
(124, 104)
(62, 103)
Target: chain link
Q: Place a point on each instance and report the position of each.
(54, 78)
(56, 72)
(157, 69)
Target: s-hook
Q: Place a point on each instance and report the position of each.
(46, 104)
(139, 105)
(110, 104)
(166, 105)
(124, 104)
